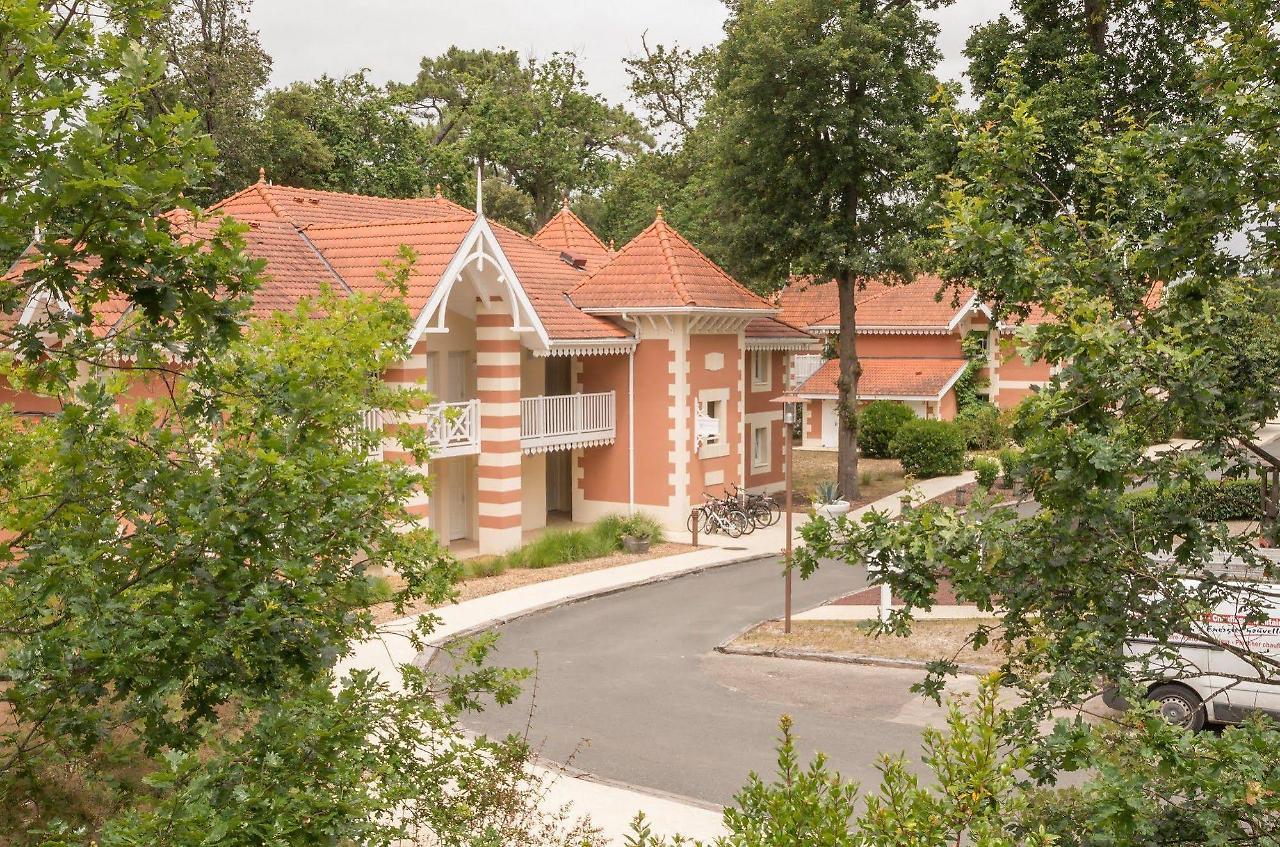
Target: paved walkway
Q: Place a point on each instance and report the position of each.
(613, 806)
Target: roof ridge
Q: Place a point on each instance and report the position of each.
(261, 188)
(397, 222)
(314, 249)
(677, 279)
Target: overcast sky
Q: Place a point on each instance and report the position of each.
(307, 38)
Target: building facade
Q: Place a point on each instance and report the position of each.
(570, 379)
(912, 348)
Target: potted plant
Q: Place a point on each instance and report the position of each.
(638, 533)
(635, 543)
(827, 501)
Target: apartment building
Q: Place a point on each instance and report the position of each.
(572, 379)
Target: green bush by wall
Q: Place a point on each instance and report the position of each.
(878, 423)
(929, 448)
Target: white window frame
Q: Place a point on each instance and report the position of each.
(718, 446)
(432, 379)
(764, 357)
(765, 462)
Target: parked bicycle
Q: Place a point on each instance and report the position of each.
(761, 508)
(721, 515)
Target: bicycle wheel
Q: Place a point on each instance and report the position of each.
(739, 523)
(761, 516)
(775, 513)
(700, 516)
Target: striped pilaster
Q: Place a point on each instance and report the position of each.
(498, 389)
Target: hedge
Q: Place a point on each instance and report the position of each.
(1214, 500)
(929, 448)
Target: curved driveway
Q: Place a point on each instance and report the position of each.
(629, 687)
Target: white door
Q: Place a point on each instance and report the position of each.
(830, 425)
(456, 498)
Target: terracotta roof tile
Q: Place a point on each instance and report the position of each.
(888, 378)
(359, 252)
(775, 328)
(307, 207)
(548, 280)
(915, 305)
(568, 234)
(660, 269)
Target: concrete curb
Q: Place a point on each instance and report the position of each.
(839, 658)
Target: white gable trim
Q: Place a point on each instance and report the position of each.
(479, 245)
(969, 306)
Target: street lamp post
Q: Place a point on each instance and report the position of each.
(788, 435)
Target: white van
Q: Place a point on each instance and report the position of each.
(1207, 683)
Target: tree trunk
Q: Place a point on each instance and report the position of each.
(850, 371)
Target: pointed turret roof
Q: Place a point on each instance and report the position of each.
(660, 269)
(567, 233)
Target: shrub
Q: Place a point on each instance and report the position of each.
(930, 448)
(644, 527)
(984, 427)
(878, 423)
(1010, 462)
(987, 470)
(1215, 500)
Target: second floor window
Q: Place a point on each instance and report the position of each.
(761, 373)
(715, 409)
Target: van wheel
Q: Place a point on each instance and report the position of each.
(1179, 705)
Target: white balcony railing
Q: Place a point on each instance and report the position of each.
(452, 429)
(804, 366)
(567, 421)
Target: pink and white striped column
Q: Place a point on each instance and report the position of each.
(498, 389)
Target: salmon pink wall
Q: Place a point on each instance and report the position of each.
(1011, 397)
(813, 421)
(917, 346)
(949, 406)
(605, 469)
(1013, 368)
(24, 402)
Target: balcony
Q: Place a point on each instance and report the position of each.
(567, 421)
(451, 429)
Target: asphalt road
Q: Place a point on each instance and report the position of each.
(629, 688)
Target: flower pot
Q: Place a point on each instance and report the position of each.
(832, 510)
(632, 544)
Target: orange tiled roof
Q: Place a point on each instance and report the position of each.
(890, 379)
(548, 280)
(359, 252)
(915, 305)
(774, 328)
(358, 234)
(307, 207)
(566, 233)
(660, 269)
